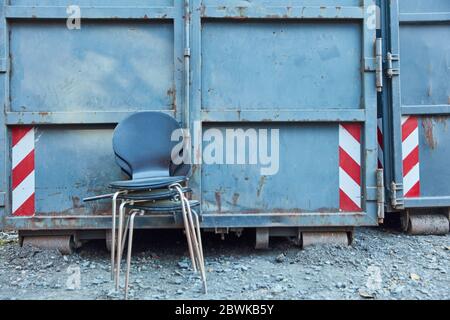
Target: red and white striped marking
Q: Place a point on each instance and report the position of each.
(410, 155)
(380, 144)
(350, 167)
(23, 171)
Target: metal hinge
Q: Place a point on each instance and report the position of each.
(379, 64)
(380, 195)
(396, 201)
(390, 70)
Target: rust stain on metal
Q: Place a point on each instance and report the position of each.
(218, 196)
(76, 202)
(428, 126)
(172, 93)
(261, 183)
(235, 199)
(202, 10)
(242, 11)
(194, 169)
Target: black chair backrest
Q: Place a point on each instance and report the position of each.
(142, 142)
(183, 169)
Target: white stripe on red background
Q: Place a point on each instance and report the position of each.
(410, 155)
(350, 167)
(23, 185)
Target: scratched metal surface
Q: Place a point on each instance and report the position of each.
(303, 162)
(301, 66)
(124, 3)
(425, 63)
(72, 164)
(287, 72)
(420, 31)
(102, 67)
(419, 6)
(434, 149)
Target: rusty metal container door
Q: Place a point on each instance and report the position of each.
(64, 88)
(307, 69)
(419, 65)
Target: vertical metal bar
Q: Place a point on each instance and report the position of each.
(4, 96)
(380, 194)
(196, 88)
(385, 111)
(379, 64)
(396, 139)
(187, 62)
(178, 29)
(370, 105)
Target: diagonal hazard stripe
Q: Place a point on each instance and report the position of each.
(27, 208)
(350, 145)
(22, 148)
(350, 166)
(18, 133)
(414, 192)
(411, 179)
(354, 129)
(22, 192)
(350, 187)
(347, 204)
(22, 170)
(408, 127)
(410, 161)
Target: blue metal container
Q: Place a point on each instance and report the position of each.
(307, 68)
(417, 106)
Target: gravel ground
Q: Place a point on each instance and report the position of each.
(381, 264)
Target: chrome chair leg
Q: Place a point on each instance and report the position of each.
(186, 226)
(113, 233)
(124, 237)
(197, 223)
(130, 248)
(198, 244)
(193, 232)
(119, 241)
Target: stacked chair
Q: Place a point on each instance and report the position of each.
(143, 148)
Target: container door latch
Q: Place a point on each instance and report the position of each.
(379, 64)
(391, 71)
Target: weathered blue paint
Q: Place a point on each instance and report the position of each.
(301, 66)
(419, 31)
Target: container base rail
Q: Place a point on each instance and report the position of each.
(68, 240)
(65, 243)
(425, 223)
(305, 237)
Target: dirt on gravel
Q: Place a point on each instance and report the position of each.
(380, 264)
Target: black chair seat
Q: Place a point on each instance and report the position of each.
(147, 184)
(162, 206)
(159, 194)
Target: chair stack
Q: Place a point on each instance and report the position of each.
(143, 150)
